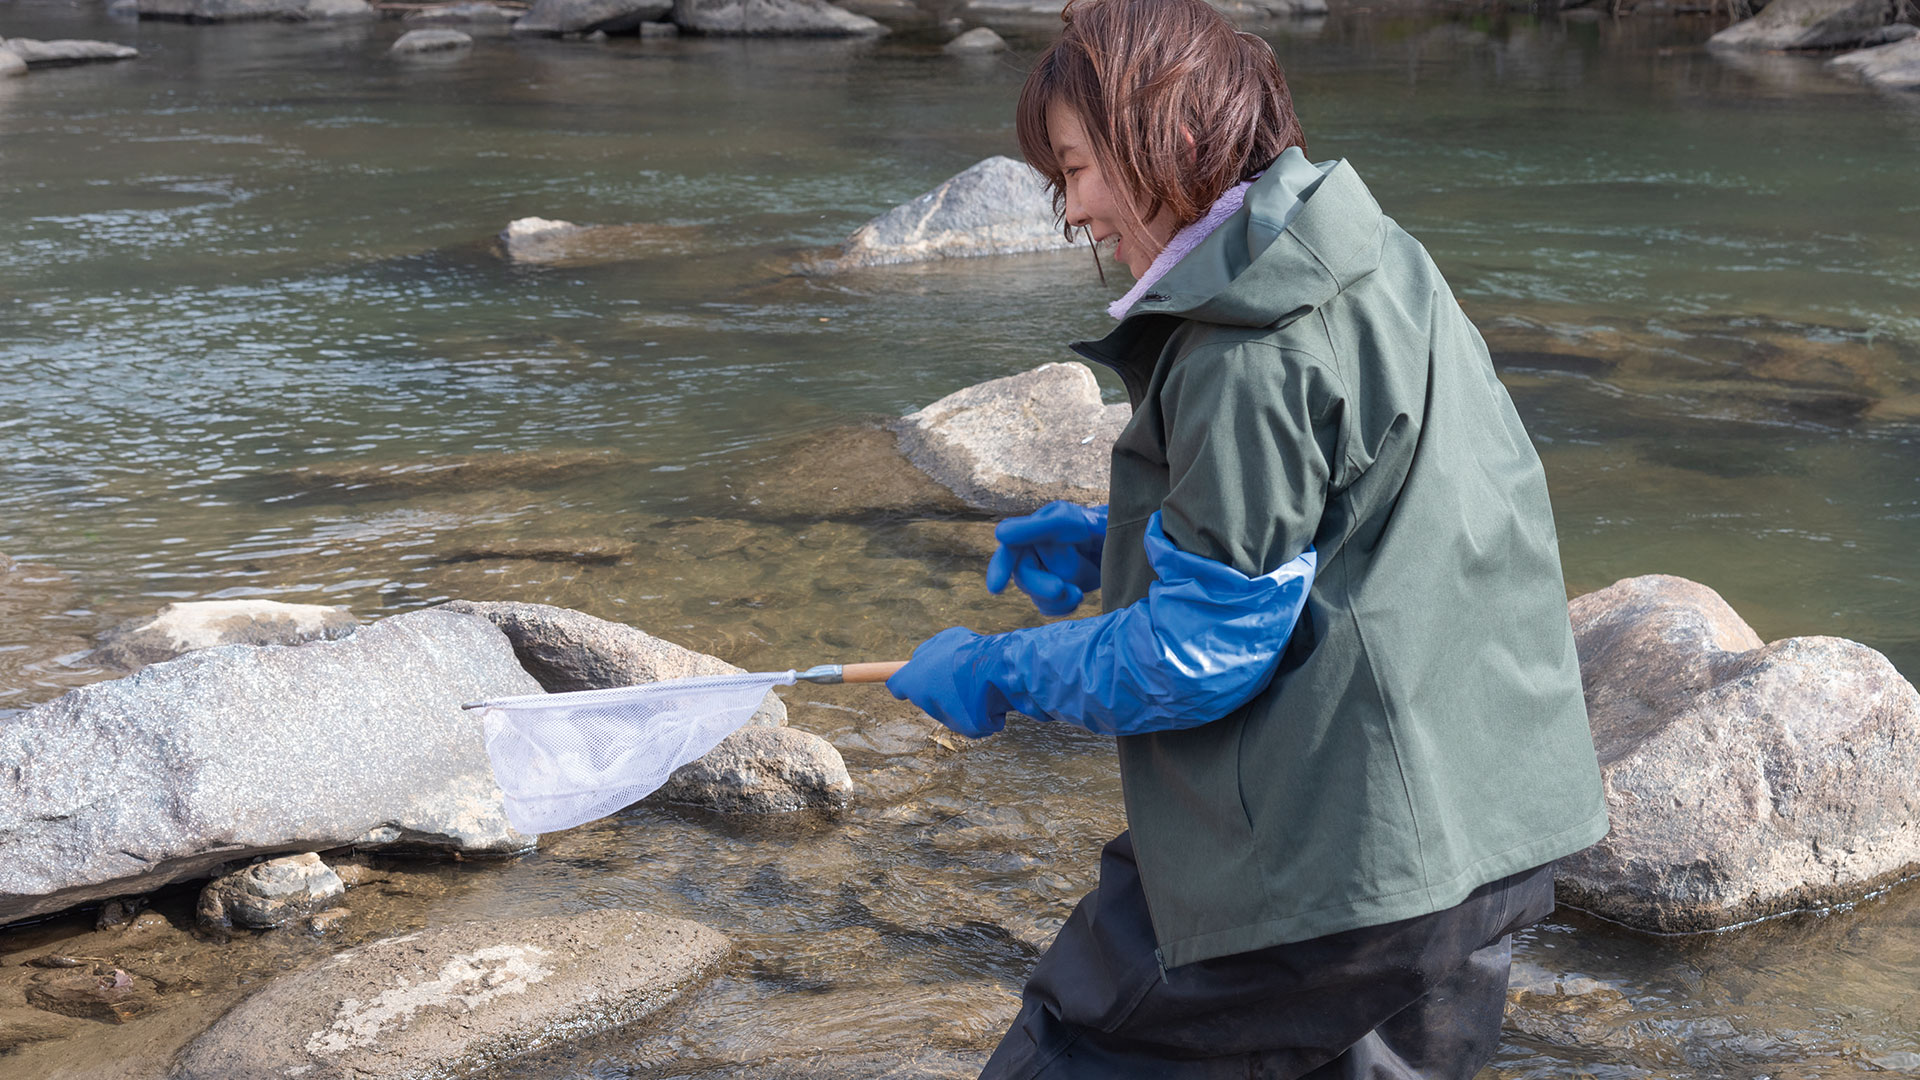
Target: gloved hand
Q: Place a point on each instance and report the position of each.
(949, 677)
(1053, 554)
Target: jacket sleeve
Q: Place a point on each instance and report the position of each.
(1203, 641)
(1253, 436)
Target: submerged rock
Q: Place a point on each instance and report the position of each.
(570, 650)
(66, 51)
(370, 480)
(1011, 445)
(974, 42)
(588, 16)
(228, 753)
(841, 473)
(762, 770)
(997, 207)
(1743, 780)
(456, 1000)
(187, 627)
(250, 10)
(1894, 67)
(414, 42)
(1807, 24)
(772, 18)
(268, 894)
(546, 242)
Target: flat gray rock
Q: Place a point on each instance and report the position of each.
(252, 10)
(996, 207)
(66, 51)
(11, 66)
(975, 42)
(455, 1000)
(762, 770)
(187, 627)
(587, 16)
(772, 18)
(1806, 24)
(567, 650)
(1895, 66)
(415, 42)
(227, 753)
(1743, 780)
(1012, 445)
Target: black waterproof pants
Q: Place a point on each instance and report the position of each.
(1420, 998)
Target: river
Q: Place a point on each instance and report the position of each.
(263, 248)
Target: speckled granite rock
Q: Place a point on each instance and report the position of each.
(1743, 780)
(268, 894)
(1011, 445)
(570, 650)
(183, 628)
(760, 770)
(456, 1000)
(996, 207)
(228, 753)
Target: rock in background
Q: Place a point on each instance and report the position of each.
(186, 627)
(248, 10)
(587, 16)
(415, 42)
(456, 1000)
(11, 66)
(1807, 24)
(772, 18)
(476, 14)
(1893, 67)
(974, 42)
(763, 770)
(224, 754)
(66, 51)
(1012, 445)
(1743, 780)
(997, 207)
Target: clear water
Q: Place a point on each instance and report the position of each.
(260, 249)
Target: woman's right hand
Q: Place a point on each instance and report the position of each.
(1053, 554)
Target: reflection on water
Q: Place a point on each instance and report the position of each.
(255, 340)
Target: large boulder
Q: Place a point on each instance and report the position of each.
(1894, 67)
(456, 1000)
(229, 753)
(186, 627)
(66, 51)
(772, 18)
(568, 650)
(1012, 445)
(1743, 780)
(586, 16)
(208, 11)
(761, 770)
(996, 207)
(1807, 24)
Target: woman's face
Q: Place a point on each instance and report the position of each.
(1091, 203)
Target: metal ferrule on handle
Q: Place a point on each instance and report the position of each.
(829, 674)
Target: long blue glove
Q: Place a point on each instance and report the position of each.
(1053, 554)
(1202, 643)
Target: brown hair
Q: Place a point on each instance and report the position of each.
(1147, 76)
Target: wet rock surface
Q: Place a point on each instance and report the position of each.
(1894, 67)
(996, 207)
(760, 769)
(269, 894)
(415, 42)
(772, 18)
(535, 241)
(1743, 780)
(182, 628)
(224, 754)
(1010, 445)
(1807, 24)
(252, 10)
(587, 16)
(66, 51)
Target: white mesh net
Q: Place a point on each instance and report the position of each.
(567, 759)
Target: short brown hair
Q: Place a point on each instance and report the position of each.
(1145, 76)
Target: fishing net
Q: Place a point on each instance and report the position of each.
(567, 759)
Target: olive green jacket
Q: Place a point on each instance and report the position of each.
(1313, 381)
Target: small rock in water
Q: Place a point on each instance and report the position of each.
(659, 30)
(997, 207)
(1011, 445)
(975, 41)
(1743, 780)
(98, 993)
(66, 51)
(556, 17)
(186, 627)
(269, 894)
(322, 921)
(414, 42)
(456, 1000)
(11, 66)
(545, 242)
(761, 770)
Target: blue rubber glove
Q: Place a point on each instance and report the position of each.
(1053, 554)
(1203, 642)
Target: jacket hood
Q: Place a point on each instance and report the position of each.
(1304, 233)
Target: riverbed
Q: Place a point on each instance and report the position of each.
(249, 295)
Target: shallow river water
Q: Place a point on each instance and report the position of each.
(247, 280)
